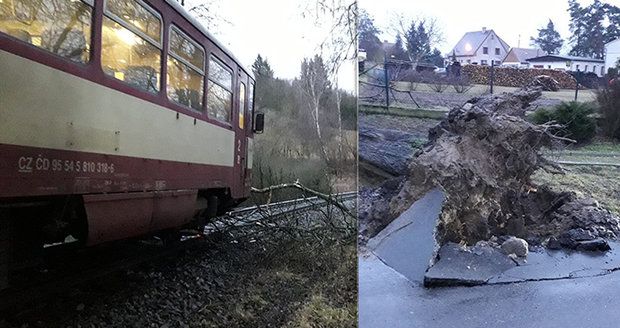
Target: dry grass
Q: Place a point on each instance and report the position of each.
(600, 183)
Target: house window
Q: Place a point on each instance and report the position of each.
(549, 66)
(483, 62)
(577, 67)
(185, 70)
(497, 51)
(219, 91)
(594, 68)
(585, 69)
(485, 50)
(62, 27)
(469, 61)
(131, 44)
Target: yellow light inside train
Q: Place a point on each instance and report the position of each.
(126, 36)
(119, 75)
(136, 23)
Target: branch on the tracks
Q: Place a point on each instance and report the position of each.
(296, 185)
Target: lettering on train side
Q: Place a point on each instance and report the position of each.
(26, 164)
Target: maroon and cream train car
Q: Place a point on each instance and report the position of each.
(118, 118)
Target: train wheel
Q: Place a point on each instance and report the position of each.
(170, 237)
(213, 202)
(6, 234)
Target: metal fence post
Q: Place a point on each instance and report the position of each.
(576, 89)
(492, 75)
(387, 83)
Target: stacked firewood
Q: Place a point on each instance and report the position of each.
(515, 77)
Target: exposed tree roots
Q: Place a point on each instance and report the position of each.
(483, 155)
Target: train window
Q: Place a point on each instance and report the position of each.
(219, 91)
(185, 70)
(131, 44)
(136, 14)
(62, 27)
(186, 49)
(242, 105)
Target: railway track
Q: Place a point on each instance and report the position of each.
(250, 215)
(65, 269)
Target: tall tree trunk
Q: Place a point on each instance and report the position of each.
(339, 113)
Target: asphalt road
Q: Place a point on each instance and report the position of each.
(388, 299)
(550, 289)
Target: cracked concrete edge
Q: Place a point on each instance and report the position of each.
(401, 222)
(571, 275)
(507, 279)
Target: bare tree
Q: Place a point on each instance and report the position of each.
(314, 83)
(207, 12)
(338, 19)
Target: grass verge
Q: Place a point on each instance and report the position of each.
(597, 182)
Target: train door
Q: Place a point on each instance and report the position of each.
(241, 128)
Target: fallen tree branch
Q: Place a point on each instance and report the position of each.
(296, 185)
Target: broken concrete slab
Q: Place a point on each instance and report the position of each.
(408, 243)
(552, 265)
(470, 266)
(466, 266)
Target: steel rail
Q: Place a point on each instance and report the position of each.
(250, 215)
(340, 196)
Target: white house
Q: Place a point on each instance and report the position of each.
(612, 53)
(569, 63)
(517, 57)
(480, 47)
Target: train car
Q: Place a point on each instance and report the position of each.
(118, 118)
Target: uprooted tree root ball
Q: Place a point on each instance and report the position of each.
(482, 155)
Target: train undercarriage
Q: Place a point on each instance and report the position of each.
(30, 226)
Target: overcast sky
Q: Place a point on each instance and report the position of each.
(511, 20)
(276, 30)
